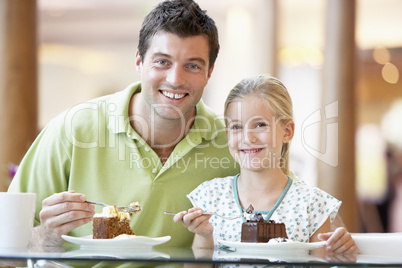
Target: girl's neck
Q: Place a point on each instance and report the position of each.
(269, 178)
(261, 189)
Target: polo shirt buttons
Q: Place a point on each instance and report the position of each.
(154, 170)
(147, 149)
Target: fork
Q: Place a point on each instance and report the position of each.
(210, 213)
(128, 209)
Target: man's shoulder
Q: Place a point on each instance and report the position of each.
(205, 110)
(208, 119)
(89, 116)
(100, 106)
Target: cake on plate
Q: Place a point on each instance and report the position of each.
(258, 230)
(111, 223)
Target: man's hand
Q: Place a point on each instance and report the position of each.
(339, 241)
(61, 213)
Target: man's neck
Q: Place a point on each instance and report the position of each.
(162, 135)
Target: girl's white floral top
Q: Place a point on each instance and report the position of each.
(301, 207)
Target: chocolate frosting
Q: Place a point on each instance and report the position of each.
(250, 209)
(257, 218)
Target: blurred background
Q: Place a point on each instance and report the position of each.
(86, 48)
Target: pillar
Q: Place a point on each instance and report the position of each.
(18, 82)
(267, 37)
(336, 169)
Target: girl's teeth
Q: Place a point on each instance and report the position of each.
(251, 151)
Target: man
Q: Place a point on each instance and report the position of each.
(153, 143)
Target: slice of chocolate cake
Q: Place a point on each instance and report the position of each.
(258, 230)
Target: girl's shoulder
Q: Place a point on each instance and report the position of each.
(217, 183)
(301, 185)
(302, 188)
(209, 193)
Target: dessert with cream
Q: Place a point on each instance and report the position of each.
(258, 230)
(111, 223)
(279, 240)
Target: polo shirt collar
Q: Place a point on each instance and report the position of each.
(205, 124)
(118, 105)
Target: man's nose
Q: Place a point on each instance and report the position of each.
(175, 76)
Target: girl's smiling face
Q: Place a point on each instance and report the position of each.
(256, 134)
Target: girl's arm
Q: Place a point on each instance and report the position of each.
(198, 223)
(322, 251)
(203, 241)
(339, 241)
(325, 228)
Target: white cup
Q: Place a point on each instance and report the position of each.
(17, 212)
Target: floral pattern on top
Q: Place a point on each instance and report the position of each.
(303, 208)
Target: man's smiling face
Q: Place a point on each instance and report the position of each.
(174, 74)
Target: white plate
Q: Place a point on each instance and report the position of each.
(271, 256)
(117, 253)
(125, 242)
(285, 246)
(380, 244)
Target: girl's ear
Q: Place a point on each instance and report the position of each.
(289, 131)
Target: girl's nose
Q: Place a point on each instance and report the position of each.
(250, 136)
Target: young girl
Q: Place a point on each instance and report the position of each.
(259, 120)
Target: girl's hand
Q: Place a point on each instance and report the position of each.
(195, 221)
(339, 241)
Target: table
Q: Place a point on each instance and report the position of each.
(73, 256)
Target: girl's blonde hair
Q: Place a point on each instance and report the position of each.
(272, 91)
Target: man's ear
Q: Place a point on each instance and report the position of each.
(210, 71)
(289, 131)
(138, 62)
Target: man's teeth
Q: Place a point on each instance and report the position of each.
(173, 95)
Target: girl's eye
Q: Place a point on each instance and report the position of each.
(261, 124)
(235, 127)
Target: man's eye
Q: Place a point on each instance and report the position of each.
(194, 67)
(161, 62)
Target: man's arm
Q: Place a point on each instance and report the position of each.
(61, 213)
(45, 170)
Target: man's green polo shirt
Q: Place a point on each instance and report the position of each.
(92, 149)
